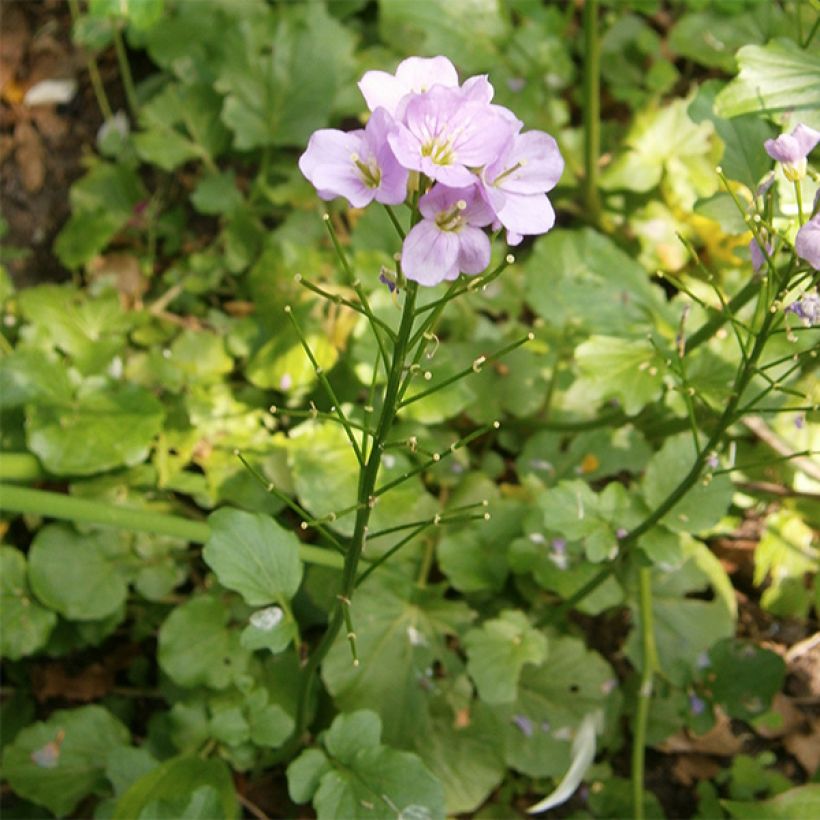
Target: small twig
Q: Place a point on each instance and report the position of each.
(765, 433)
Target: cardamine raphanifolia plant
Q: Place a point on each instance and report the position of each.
(467, 157)
(464, 166)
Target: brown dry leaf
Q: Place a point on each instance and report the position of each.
(52, 681)
(806, 747)
(239, 308)
(125, 270)
(14, 41)
(689, 769)
(791, 718)
(462, 718)
(49, 123)
(31, 156)
(720, 740)
(803, 663)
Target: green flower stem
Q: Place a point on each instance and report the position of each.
(649, 663)
(367, 482)
(798, 194)
(125, 73)
(93, 72)
(592, 108)
(331, 393)
(394, 219)
(84, 511)
(361, 308)
(20, 467)
(337, 246)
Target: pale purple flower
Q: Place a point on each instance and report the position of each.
(807, 308)
(449, 239)
(697, 705)
(758, 257)
(807, 242)
(357, 165)
(792, 149)
(446, 132)
(524, 724)
(516, 184)
(414, 75)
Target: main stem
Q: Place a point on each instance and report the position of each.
(592, 109)
(365, 497)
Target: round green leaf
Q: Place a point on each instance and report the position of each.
(252, 554)
(174, 783)
(102, 429)
(197, 649)
(24, 624)
(72, 574)
(57, 763)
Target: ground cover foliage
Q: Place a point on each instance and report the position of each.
(609, 586)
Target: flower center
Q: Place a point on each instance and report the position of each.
(440, 151)
(369, 171)
(451, 219)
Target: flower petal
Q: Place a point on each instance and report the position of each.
(429, 255)
(807, 242)
(526, 215)
(473, 250)
(538, 160)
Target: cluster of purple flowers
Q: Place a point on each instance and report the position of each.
(477, 167)
(792, 151)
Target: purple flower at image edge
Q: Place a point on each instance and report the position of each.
(449, 239)
(807, 242)
(790, 149)
(357, 165)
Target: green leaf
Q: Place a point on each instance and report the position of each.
(744, 158)
(217, 194)
(498, 651)
(252, 554)
(141, 14)
(743, 677)
(31, 375)
(175, 782)
(361, 778)
(103, 428)
(466, 759)
(24, 624)
(703, 505)
(474, 558)
(784, 555)
(581, 281)
(76, 575)
(279, 92)
(552, 701)
(800, 802)
(779, 76)
(281, 364)
(712, 39)
(468, 32)
(400, 630)
(58, 762)
(181, 123)
(197, 649)
(628, 370)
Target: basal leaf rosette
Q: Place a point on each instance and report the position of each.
(468, 159)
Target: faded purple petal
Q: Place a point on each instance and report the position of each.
(413, 75)
(807, 308)
(475, 210)
(524, 724)
(758, 257)
(474, 250)
(527, 215)
(478, 89)
(392, 188)
(794, 147)
(327, 164)
(807, 242)
(429, 255)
